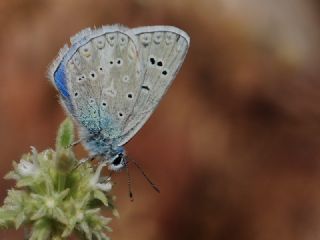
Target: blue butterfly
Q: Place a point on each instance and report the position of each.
(111, 79)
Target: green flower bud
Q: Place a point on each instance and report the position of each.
(53, 198)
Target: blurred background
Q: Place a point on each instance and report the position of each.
(235, 144)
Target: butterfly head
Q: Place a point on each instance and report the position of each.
(118, 161)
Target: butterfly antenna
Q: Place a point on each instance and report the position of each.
(129, 181)
(145, 176)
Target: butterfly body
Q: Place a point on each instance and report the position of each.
(111, 79)
(100, 144)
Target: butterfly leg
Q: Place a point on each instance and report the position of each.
(82, 161)
(80, 140)
(75, 143)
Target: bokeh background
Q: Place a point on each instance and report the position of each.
(234, 145)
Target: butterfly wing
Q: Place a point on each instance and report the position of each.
(162, 49)
(98, 78)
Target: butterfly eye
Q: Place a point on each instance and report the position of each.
(117, 161)
(76, 94)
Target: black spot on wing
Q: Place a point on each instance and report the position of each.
(145, 87)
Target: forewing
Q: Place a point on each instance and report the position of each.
(103, 75)
(162, 49)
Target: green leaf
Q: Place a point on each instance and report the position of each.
(59, 215)
(100, 196)
(67, 231)
(65, 162)
(25, 182)
(41, 230)
(65, 134)
(7, 218)
(100, 236)
(84, 201)
(62, 195)
(12, 175)
(86, 230)
(115, 213)
(57, 237)
(21, 217)
(42, 211)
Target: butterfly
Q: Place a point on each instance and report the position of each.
(111, 79)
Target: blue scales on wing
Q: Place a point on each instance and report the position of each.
(99, 79)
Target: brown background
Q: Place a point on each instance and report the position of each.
(234, 145)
